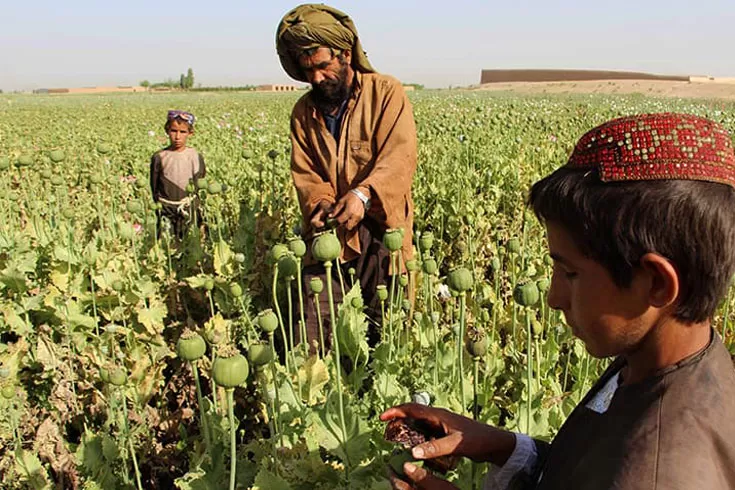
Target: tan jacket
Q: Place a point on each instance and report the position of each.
(376, 153)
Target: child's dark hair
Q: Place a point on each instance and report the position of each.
(167, 126)
(691, 223)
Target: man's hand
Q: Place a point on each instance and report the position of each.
(319, 216)
(418, 478)
(348, 211)
(465, 437)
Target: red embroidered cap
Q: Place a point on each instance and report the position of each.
(656, 147)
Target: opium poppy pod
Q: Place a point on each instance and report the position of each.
(191, 346)
(412, 265)
(526, 294)
(430, 266)
(316, 285)
(57, 156)
(459, 279)
(297, 246)
(382, 292)
(230, 369)
(277, 251)
(287, 266)
(514, 246)
(393, 239)
(103, 148)
(426, 241)
(260, 354)
(267, 321)
(326, 247)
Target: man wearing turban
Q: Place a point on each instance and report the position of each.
(353, 143)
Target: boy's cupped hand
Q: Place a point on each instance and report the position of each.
(418, 478)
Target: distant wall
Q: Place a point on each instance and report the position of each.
(88, 90)
(277, 88)
(504, 76)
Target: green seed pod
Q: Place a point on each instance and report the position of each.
(118, 376)
(134, 207)
(393, 239)
(209, 283)
(548, 260)
(459, 279)
(526, 294)
(117, 285)
(105, 374)
(24, 161)
(426, 241)
(103, 148)
(406, 305)
(202, 184)
(191, 346)
(430, 266)
(478, 347)
(435, 317)
(543, 284)
(277, 251)
(316, 285)
(514, 246)
(267, 321)
(537, 328)
(214, 188)
(326, 247)
(351, 271)
(4, 372)
(273, 154)
(235, 290)
(297, 246)
(495, 264)
(57, 180)
(287, 266)
(412, 265)
(357, 302)
(260, 354)
(57, 156)
(190, 188)
(382, 292)
(239, 258)
(8, 392)
(403, 280)
(4, 163)
(460, 246)
(247, 154)
(95, 179)
(46, 174)
(230, 369)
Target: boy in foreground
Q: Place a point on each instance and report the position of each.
(641, 227)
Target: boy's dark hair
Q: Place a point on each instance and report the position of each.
(691, 223)
(167, 126)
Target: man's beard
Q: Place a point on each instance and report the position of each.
(329, 94)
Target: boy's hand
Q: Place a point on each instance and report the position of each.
(418, 478)
(465, 437)
(348, 211)
(319, 216)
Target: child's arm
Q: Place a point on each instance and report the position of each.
(155, 174)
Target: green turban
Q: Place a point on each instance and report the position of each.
(312, 25)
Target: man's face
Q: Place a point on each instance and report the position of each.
(330, 76)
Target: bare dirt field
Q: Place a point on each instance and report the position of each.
(656, 88)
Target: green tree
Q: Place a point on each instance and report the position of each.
(144, 83)
(189, 78)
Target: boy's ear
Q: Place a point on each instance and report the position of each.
(664, 284)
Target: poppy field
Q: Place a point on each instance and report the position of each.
(130, 359)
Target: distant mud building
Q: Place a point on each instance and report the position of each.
(277, 88)
(506, 76)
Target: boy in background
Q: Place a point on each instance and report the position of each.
(172, 169)
(641, 228)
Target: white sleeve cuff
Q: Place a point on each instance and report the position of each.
(522, 459)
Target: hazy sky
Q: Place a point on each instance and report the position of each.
(438, 43)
